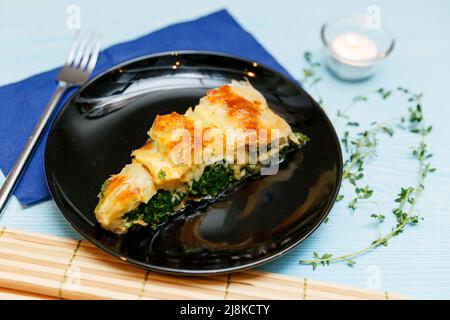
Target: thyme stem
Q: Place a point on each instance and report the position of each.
(363, 148)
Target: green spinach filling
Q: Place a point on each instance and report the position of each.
(156, 210)
(302, 138)
(214, 180)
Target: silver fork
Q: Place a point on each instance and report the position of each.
(79, 65)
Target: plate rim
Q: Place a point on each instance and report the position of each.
(193, 272)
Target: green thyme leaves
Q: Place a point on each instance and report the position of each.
(361, 147)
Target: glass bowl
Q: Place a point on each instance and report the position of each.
(355, 46)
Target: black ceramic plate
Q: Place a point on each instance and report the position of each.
(94, 134)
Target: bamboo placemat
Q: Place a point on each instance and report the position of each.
(46, 267)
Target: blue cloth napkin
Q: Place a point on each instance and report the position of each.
(21, 103)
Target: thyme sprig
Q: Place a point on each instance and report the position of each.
(360, 149)
(363, 147)
(311, 76)
(381, 92)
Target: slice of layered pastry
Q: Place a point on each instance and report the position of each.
(229, 135)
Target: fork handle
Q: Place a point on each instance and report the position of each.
(16, 171)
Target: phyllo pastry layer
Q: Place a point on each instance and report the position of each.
(229, 135)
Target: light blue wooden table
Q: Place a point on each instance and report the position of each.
(34, 37)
